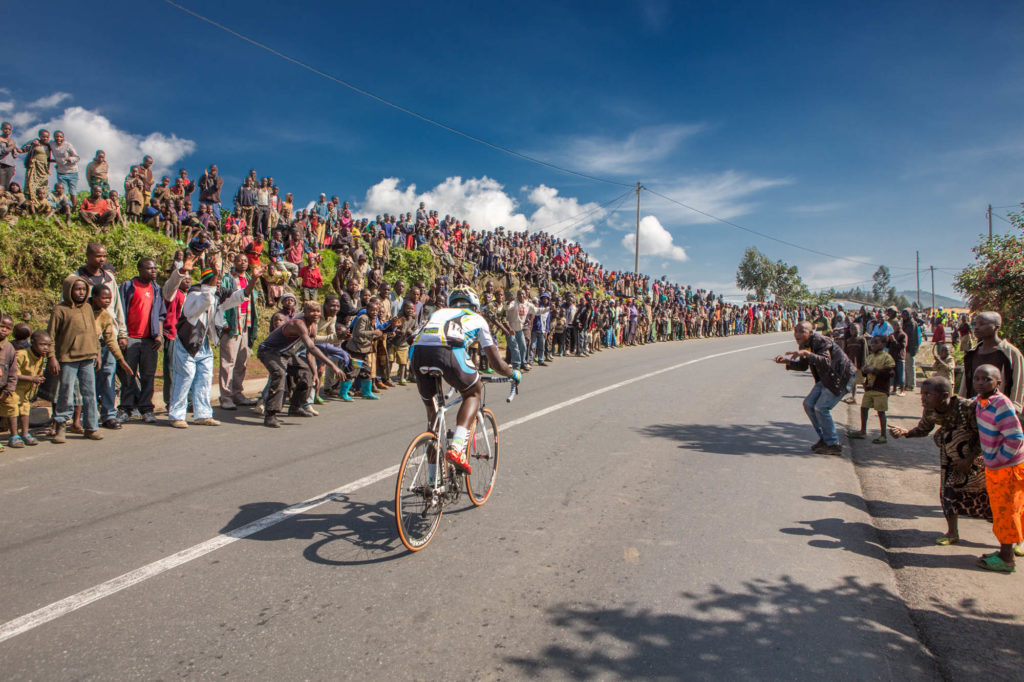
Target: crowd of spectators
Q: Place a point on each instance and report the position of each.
(331, 335)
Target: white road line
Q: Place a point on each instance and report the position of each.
(23, 624)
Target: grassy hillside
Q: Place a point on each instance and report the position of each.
(38, 254)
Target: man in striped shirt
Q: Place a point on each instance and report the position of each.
(1001, 438)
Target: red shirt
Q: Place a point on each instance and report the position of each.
(140, 308)
(311, 277)
(173, 313)
(95, 205)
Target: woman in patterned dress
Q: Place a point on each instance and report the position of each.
(963, 491)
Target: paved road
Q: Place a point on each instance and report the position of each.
(665, 528)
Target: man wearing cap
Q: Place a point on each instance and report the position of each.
(193, 354)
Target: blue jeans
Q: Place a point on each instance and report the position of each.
(818, 405)
(539, 345)
(70, 182)
(517, 344)
(105, 386)
(81, 374)
(191, 374)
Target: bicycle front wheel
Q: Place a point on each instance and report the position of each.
(482, 452)
(417, 509)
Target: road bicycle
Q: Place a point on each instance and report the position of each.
(427, 481)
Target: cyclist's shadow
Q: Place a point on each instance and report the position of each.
(345, 532)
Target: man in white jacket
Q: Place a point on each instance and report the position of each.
(193, 348)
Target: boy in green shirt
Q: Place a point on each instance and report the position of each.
(877, 370)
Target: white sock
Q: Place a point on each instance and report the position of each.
(459, 439)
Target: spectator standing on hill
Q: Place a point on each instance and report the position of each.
(144, 313)
(237, 334)
(37, 165)
(9, 152)
(96, 173)
(147, 177)
(66, 158)
(210, 185)
(833, 377)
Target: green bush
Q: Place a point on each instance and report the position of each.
(411, 266)
(40, 253)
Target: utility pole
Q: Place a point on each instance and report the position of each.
(636, 256)
(932, 268)
(988, 214)
(917, 269)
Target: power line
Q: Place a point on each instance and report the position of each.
(391, 104)
(581, 216)
(768, 236)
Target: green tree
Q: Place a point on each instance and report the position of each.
(756, 273)
(996, 280)
(880, 289)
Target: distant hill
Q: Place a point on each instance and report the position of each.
(926, 299)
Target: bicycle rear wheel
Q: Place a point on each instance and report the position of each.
(482, 452)
(417, 511)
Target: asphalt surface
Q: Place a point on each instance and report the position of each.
(675, 526)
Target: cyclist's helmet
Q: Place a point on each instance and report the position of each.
(460, 297)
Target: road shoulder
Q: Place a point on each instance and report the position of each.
(969, 619)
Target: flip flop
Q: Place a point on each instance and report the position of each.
(945, 541)
(1018, 549)
(881, 440)
(856, 435)
(994, 563)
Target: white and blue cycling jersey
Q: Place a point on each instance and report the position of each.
(457, 329)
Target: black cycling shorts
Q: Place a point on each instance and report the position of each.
(456, 368)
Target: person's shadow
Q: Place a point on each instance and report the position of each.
(344, 533)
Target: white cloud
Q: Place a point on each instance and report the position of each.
(50, 101)
(722, 194)
(89, 131)
(655, 240)
(486, 205)
(22, 119)
(633, 154)
(6, 106)
(838, 273)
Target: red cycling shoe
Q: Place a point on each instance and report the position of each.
(460, 460)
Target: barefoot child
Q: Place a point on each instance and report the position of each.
(962, 472)
(1001, 444)
(878, 368)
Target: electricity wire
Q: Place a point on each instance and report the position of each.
(378, 98)
(768, 236)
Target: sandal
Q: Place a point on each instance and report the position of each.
(993, 563)
(881, 440)
(945, 541)
(31, 440)
(856, 435)
(15, 442)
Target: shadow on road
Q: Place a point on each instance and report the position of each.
(882, 508)
(346, 533)
(769, 438)
(864, 539)
(768, 629)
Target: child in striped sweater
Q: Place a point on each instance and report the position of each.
(1001, 438)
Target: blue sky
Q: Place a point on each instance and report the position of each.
(863, 130)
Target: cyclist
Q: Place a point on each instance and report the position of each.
(443, 342)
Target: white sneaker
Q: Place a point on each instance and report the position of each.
(259, 409)
(313, 410)
(227, 404)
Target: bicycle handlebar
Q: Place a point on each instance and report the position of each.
(513, 390)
